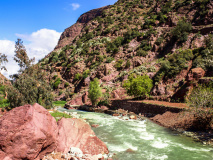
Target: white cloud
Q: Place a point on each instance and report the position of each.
(75, 6)
(38, 45)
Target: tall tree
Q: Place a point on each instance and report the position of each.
(3, 59)
(94, 91)
(30, 85)
(21, 56)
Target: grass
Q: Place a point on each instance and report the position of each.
(59, 103)
(58, 115)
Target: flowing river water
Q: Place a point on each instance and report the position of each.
(143, 140)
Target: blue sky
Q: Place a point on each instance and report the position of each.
(39, 24)
(27, 16)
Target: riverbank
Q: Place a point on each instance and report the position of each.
(174, 116)
(136, 139)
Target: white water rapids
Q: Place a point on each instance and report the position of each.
(143, 140)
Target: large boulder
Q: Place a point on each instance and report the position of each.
(77, 133)
(27, 132)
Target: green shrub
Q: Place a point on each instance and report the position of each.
(201, 102)
(56, 83)
(174, 64)
(139, 86)
(86, 73)
(181, 31)
(118, 64)
(77, 77)
(141, 52)
(109, 59)
(66, 84)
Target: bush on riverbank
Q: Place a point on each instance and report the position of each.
(139, 86)
(201, 101)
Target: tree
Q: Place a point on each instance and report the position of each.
(21, 56)
(201, 103)
(3, 59)
(139, 86)
(94, 91)
(30, 85)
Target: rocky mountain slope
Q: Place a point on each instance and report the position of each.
(169, 40)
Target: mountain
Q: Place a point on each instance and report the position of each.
(169, 40)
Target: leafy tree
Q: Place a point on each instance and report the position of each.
(21, 56)
(3, 59)
(139, 86)
(94, 91)
(30, 85)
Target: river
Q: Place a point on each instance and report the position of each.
(144, 140)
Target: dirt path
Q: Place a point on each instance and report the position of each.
(168, 104)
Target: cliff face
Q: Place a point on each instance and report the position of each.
(162, 39)
(70, 33)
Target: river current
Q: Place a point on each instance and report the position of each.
(143, 140)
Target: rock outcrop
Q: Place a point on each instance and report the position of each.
(27, 132)
(30, 132)
(77, 133)
(70, 33)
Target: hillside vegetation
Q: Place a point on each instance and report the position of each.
(164, 39)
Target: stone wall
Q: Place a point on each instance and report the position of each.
(148, 110)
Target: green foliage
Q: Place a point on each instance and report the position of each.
(53, 57)
(118, 64)
(30, 87)
(114, 46)
(66, 84)
(141, 52)
(21, 56)
(131, 34)
(109, 59)
(204, 56)
(139, 86)
(77, 77)
(201, 101)
(127, 64)
(181, 31)
(159, 41)
(145, 45)
(3, 59)
(58, 115)
(56, 83)
(174, 64)
(3, 102)
(94, 91)
(86, 73)
(100, 58)
(105, 101)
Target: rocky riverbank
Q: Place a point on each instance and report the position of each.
(30, 132)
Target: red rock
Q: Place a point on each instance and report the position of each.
(95, 125)
(27, 132)
(104, 108)
(115, 114)
(196, 74)
(77, 133)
